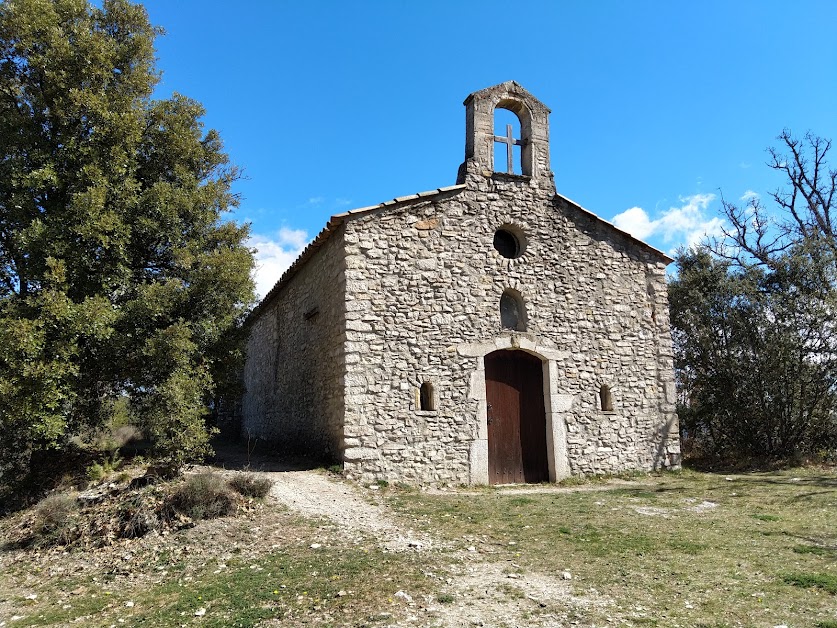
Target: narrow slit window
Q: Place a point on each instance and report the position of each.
(606, 398)
(427, 401)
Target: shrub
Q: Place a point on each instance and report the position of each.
(137, 518)
(95, 472)
(203, 496)
(251, 485)
(54, 522)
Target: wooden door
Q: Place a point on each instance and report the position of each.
(516, 418)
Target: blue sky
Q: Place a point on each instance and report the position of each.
(658, 108)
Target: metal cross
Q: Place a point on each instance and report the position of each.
(509, 141)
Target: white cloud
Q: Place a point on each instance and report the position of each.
(635, 221)
(687, 224)
(275, 254)
(749, 195)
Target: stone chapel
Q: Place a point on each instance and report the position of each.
(489, 332)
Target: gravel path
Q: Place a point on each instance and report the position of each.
(313, 494)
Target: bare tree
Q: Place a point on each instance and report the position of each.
(805, 206)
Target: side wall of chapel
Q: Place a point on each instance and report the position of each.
(423, 287)
(293, 375)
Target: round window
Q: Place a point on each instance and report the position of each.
(509, 242)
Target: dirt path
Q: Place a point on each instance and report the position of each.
(314, 494)
(485, 592)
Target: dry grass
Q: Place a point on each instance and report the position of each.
(683, 549)
(204, 495)
(250, 485)
(242, 570)
(54, 521)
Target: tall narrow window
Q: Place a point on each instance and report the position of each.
(605, 398)
(512, 311)
(426, 397)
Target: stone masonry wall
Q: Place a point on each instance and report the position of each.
(423, 280)
(294, 370)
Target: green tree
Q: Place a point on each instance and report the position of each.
(752, 355)
(754, 318)
(118, 275)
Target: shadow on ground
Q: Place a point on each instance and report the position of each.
(239, 455)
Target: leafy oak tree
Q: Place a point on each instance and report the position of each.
(119, 278)
(754, 318)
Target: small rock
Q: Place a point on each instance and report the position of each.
(32, 596)
(416, 544)
(404, 596)
(515, 576)
(566, 575)
(129, 604)
(341, 593)
(200, 612)
(472, 549)
(315, 546)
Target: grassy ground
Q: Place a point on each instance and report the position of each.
(683, 549)
(299, 587)
(227, 572)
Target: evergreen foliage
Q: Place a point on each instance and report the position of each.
(118, 276)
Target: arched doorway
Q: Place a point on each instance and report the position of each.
(517, 448)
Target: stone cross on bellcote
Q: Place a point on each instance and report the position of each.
(510, 143)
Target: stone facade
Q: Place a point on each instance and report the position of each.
(408, 293)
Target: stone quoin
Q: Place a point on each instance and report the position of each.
(492, 331)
